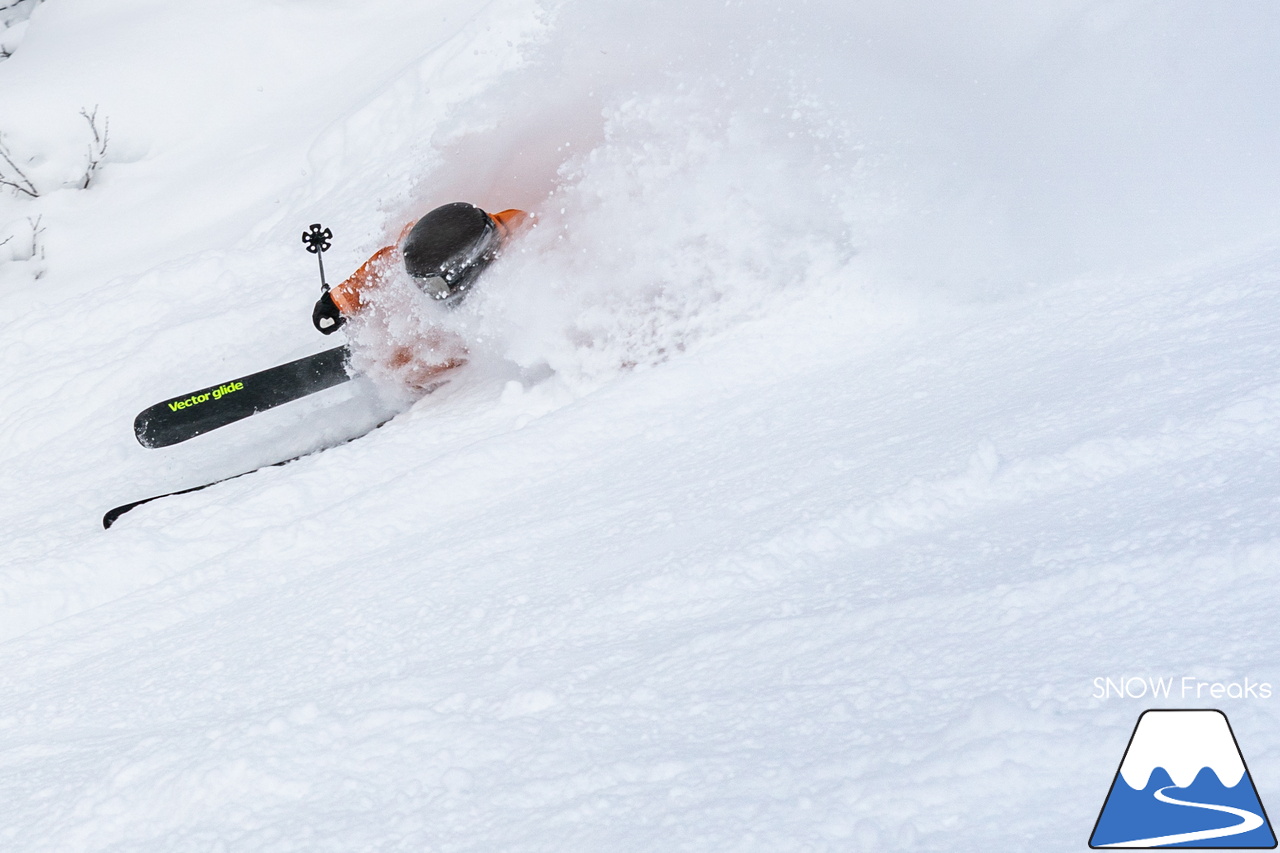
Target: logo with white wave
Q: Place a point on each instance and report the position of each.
(1182, 783)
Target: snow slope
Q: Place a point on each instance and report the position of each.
(874, 379)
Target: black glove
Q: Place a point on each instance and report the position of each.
(325, 316)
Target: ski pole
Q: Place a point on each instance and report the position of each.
(317, 238)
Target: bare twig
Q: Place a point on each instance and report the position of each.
(98, 148)
(36, 231)
(18, 179)
(37, 251)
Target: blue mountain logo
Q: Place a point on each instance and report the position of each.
(1183, 783)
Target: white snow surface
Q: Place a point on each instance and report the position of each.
(877, 375)
(1183, 743)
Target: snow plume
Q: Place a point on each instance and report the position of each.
(400, 337)
(683, 181)
(687, 218)
(679, 186)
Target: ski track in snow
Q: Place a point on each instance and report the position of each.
(731, 538)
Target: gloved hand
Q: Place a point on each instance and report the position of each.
(325, 316)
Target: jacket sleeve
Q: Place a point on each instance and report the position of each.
(352, 294)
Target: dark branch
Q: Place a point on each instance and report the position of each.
(18, 180)
(98, 148)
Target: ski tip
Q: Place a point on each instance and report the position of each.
(141, 431)
(112, 515)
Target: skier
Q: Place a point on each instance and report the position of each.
(444, 253)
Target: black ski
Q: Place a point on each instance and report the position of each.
(111, 516)
(176, 420)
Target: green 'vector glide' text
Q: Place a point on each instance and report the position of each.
(217, 394)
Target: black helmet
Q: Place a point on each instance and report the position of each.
(448, 248)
